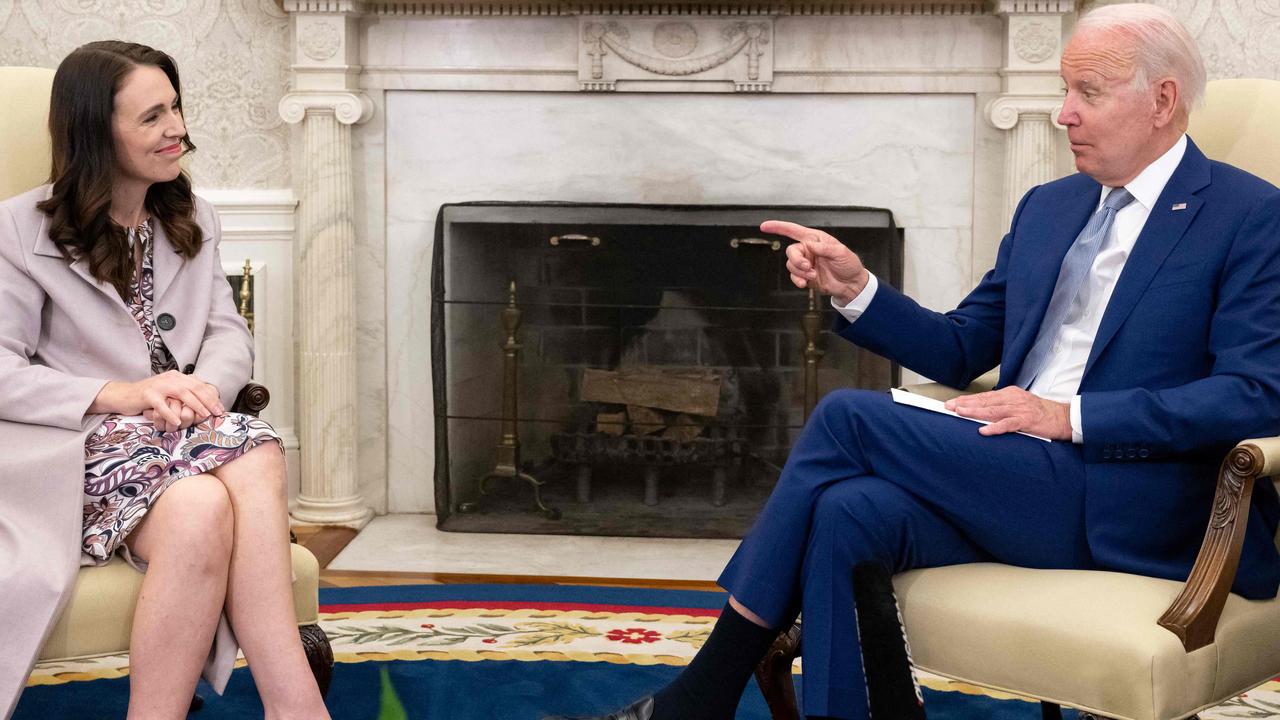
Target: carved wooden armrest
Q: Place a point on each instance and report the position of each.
(1194, 614)
(253, 398)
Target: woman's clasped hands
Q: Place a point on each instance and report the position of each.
(170, 400)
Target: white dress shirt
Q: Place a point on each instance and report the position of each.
(1060, 379)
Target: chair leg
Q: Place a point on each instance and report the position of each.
(319, 655)
(1050, 711)
(774, 675)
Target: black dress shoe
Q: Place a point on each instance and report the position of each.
(641, 709)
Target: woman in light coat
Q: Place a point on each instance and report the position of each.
(120, 349)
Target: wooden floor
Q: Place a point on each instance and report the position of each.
(326, 542)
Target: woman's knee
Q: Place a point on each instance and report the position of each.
(261, 467)
(194, 519)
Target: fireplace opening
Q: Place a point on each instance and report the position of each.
(630, 369)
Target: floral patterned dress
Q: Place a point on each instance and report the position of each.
(128, 462)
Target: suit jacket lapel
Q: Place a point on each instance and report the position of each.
(1162, 232)
(1042, 276)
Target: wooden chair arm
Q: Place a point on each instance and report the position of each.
(253, 399)
(1193, 615)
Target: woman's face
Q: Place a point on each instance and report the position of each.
(147, 127)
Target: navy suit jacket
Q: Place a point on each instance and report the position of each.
(1186, 361)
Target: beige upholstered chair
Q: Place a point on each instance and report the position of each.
(1119, 646)
(99, 616)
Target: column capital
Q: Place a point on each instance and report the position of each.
(1004, 112)
(350, 108)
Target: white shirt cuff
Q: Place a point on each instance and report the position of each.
(1077, 425)
(859, 303)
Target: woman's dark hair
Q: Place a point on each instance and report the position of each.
(85, 167)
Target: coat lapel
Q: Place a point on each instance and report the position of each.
(165, 263)
(1042, 275)
(1162, 232)
(46, 247)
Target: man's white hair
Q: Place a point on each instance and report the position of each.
(1165, 48)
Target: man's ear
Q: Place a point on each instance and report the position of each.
(1167, 100)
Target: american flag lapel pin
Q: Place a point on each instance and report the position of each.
(1179, 206)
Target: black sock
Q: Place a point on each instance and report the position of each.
(892, 691)
(712, 684)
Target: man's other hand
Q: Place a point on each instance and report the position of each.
(1013, 409)
(817, 257)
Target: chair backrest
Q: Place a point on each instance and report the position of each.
(1237, 125)
(25, 155)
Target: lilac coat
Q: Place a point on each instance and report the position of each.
(63, 335)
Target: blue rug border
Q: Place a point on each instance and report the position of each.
(593, 594)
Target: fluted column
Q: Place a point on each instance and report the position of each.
(324, 260)
(1030, 146)
(1031, 97)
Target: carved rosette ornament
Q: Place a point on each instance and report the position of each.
(675, 39)
(320, 41)
(1035, 42)
(743, 55)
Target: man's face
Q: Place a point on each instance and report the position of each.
(1111, 125)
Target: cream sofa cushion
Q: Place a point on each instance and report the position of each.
(1087, 639)
(99, 617)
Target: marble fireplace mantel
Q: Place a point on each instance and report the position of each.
(986, 71)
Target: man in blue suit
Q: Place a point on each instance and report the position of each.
(1134, 310)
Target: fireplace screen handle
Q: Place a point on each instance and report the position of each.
(557, 239)
(774, 245)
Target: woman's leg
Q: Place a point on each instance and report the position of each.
(186, 540)
(259, 588)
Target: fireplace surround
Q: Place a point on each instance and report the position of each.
(937, 111)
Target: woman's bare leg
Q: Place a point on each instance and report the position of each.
(186, 540)
(259, 587)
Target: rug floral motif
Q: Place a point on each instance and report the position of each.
(577, 634)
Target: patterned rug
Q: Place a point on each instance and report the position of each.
(472, 652)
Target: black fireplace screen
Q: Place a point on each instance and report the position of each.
(627, 369)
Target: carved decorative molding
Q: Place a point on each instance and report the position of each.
(677, 7)
(1035, 7)
(1004, 111)
(751, 36)
(349, 108)
(1036, 41)
(657, 50)
(325, 6)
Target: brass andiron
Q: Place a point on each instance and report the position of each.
(508, 465)
(809, 323)
(246, 294)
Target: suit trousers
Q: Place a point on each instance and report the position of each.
(871, 480)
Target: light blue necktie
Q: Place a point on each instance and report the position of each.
(1075, 268)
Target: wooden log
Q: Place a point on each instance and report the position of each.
(611, 423)
(692, 392)
(684, 428)
(645, 421)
